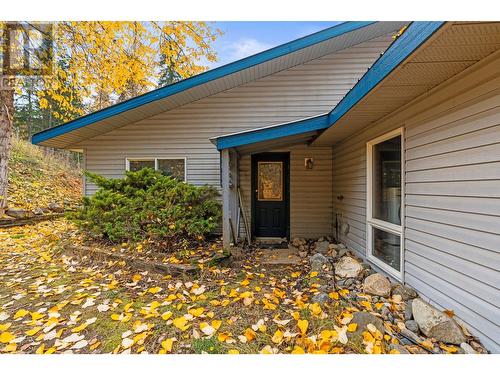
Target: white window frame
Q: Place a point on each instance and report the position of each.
(155, 159)
(372, 222)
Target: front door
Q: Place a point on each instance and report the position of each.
(270, 198)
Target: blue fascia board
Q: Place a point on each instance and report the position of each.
(200, 79)
(278, 131)
(412, 38)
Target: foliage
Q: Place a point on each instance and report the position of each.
(149, 205)
(38, 177)
(108, 62)
(100, 63)
(58, 302)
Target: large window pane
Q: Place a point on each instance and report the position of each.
(387, 180)
(136, 165)
(172, 167)
(386, 247)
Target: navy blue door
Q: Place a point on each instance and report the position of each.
(270, 200)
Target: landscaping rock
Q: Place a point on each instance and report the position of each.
(18, 213)
(385, 311)
(342, 252)
(38, 211)
(348, 267)
(378, 285)
(436, 324)
(400, 348)
(321, 298)
(363, 318)
(303, 254)
(321, 247)
(410, 335)
(332, 251)
(317, 261)
(55, 207)
(467, 348)
(412, 325)
(347, 283)
(406, 292)
(408, 311)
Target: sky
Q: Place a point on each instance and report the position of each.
(242, 39)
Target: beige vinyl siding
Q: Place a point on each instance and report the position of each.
(453, 249)
(452, 196)
(305, 90)
(310, 191)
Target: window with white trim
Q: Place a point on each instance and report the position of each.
(385, 202)
(174, 167)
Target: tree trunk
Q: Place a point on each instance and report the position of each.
(6, 113)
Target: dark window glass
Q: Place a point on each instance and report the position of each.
(387, 181)
(136, 165)
(172, 167)
(386, 247)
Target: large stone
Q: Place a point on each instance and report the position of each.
(38, 211)
(55, 207)
(319, 262)
(348, 267)
(408, 311)
(436, 324)
(18, 213)
(377, 284)
(363, 318)
(406, 292)
(412, 325)
(321, 247)
(467, 348)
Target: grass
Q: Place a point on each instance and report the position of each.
(207, 345)
(38, 177)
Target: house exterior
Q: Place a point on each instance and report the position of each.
(390, 145)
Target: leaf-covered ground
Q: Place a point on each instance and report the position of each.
(37, 179)
(52, 302)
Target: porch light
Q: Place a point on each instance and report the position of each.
(309, 163)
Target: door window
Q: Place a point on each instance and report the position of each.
(270, 181)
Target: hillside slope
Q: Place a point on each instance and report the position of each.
(39, 180)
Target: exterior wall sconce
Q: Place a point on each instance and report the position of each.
(309, 163)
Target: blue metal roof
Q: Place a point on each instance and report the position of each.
(200, 79)
(412, 38)
(273, 132)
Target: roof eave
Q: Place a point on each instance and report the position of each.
(200, 79)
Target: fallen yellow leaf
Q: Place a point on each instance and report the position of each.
(6, 337)
(302, 324)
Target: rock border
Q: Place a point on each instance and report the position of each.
(12, 222)
(166, 269)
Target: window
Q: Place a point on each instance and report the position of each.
(137, 165)
(270, 181)
(169, 167)
(384, 202)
